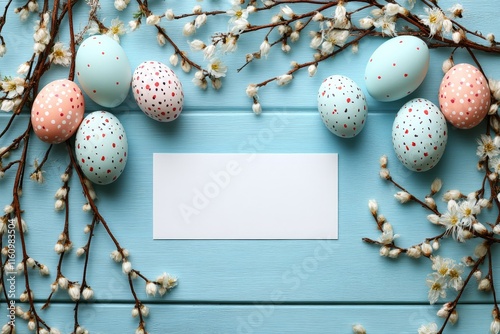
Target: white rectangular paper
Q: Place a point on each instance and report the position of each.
(243, 196)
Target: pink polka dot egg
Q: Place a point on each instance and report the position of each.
(464, 96)
(57, 111)
(419, 135)
(103, 70)
(157, 91)
(101, 147)
(342, 106)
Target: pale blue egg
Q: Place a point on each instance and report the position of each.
(342, 106)
(103, 70)
(397, 68)
(419, 135)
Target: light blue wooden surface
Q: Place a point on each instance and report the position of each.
(255, 286)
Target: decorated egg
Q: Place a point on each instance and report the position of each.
(396, 68)
(464, 96)
(419, 135)
(57, 111)
(157, 91)
(101, 147)
(342, 106)
(103, 70)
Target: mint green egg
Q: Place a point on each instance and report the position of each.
(103, 70)
(397, 68)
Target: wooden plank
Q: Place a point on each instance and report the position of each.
(263, 318)
(211, 270)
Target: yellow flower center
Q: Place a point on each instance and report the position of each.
(436, 286)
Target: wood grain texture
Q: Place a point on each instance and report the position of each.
(253, 286)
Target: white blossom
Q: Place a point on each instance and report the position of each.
(403, 196)
(87, 293)
(151, 288)
(265, 47)
(188, 29)
(434, 20)
(153, 20)
(200, 20)
(312, 69)
(252, 90)
(216, 68)
(358, 329)
(169, 14)
(23, 68)
(116, 29)
(386, 24)
(447, 64)
(437, 288)
(174, 59)
(74, 291)
(3, 49)
(60, 55)
(366, 22)
(13, 87)
(257, 108)
(456, 10)
(284, 79)
(197, 45)
(160, 39)
(126, 267)
(121, 4)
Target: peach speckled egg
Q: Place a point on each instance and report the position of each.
(57, 111)
(464, 96)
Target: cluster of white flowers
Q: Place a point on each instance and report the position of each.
(447, 274)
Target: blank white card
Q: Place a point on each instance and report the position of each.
(245, 196)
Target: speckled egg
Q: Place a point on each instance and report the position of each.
(342, 106)
(464, 96)
(419, 135)
(103, 70)
(397, 68)
(57, 111)
(101, 147)
(157, 91)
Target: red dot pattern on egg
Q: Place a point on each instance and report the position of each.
(57, 111)
(101, 147)
(464, 96)
(342, 106)
(419, 135)
(158, 91)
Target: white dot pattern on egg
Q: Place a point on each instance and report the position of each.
(101, 147)
(57, 111)
(342, 106)
(464, 96)
(157, 91)
(419, 135)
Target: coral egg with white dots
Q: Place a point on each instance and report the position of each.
(101, 147)
(397, 68)
(342, 106)
(57, 111)
(103, 70)
(464, 96)
(419, 135)
(158, 91)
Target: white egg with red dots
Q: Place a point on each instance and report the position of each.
(342, 106)
(397, 68)
(419, 135)
(103, 70)
(101, 147)
(158, 91)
